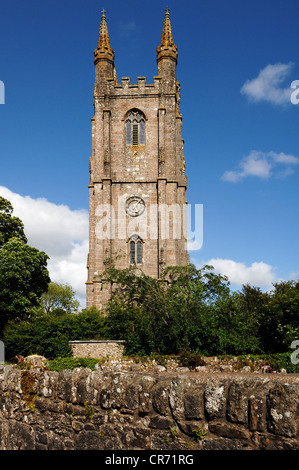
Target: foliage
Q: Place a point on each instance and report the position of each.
(23, 269)
(62, 363)
(10, 226)
(280, 318)
(49, 335)
(235, 327)
(188, 312)
(40, 335)
(59, 298)
(190, 359)
(193, 310)
(23, 279)
(199, 434)
(278, 361)
(164, 316)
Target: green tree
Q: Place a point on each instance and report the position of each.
(237, 328)
(59, 299)
(10, 226)
(253, 300)
(280, 320)
(23, 269)
(242, 316)
(23, 279)
(166, 315)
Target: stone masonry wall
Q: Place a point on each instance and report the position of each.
(105, 410)
(97, 349)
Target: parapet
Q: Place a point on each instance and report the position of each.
(140, 87)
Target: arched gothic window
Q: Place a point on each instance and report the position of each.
(135, 128)
(136, 250)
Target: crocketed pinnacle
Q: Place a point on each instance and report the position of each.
(167, 39)
(104, 52)
(167, 49)
(104, 41)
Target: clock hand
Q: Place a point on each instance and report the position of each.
(135, 207)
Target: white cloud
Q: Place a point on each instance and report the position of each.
(261, 165)
(259, 274)
(71, 269)
(267, 86)
(59, 231)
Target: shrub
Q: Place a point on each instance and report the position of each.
(49, 335)
(190, 359)
(62, 363)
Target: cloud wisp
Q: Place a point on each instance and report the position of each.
(262, 165)
(268, 85)
(127, 28)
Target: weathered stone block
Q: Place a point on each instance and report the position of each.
(224, 444)
(229, 430)
(194, 405)
(215, 399)
(160, 422)
(105, 399)
(132, 397)
(179, 386)
(161, 400)
(239, 392)
(64, 386)
(282, 409)
(257, 413)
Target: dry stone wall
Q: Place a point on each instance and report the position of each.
(105, 410)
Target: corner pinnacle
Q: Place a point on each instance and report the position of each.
(104, 41)
(167, 39)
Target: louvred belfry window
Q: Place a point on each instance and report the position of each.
(135, 129)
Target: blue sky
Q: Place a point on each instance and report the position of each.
(236, 63)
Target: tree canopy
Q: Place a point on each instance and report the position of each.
(59, 299)
(187, 309)
(10, 226)
(23, 269)
(195, 310)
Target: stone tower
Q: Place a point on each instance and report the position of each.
(137, 190)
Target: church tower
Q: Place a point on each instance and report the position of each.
(137, 190)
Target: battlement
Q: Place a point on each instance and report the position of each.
(141, 86)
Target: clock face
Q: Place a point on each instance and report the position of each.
(135, 206)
